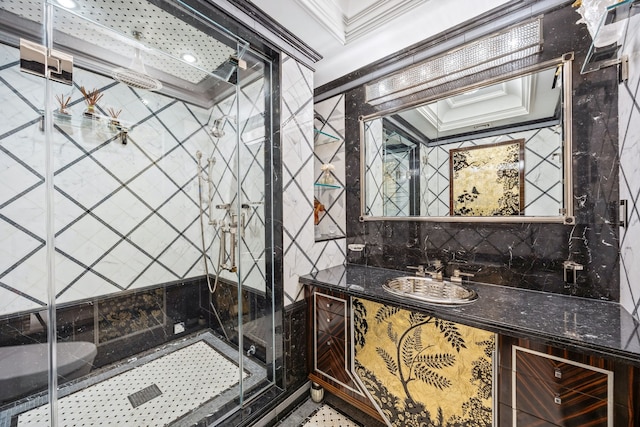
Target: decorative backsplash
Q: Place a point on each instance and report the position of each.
(521, 255)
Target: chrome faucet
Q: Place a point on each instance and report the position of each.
(458, 275)
(436, 273)
(420, 272)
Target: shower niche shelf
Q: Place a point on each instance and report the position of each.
(328, 228)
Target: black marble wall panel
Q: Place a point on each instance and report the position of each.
(120, 325)
(295, 344)
(520, 255)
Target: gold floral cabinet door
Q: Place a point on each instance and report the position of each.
(421, 370)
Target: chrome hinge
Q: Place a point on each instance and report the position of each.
(624, 214)
(240, 63)
(55, 65)
(623, 69)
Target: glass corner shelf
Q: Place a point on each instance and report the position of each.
(608, 42)
(90, 121)
(321, 138)
(327, 237)
(326, 186)
(103, 127)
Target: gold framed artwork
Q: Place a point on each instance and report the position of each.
(487, 180)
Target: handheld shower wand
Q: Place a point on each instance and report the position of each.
(212, 288)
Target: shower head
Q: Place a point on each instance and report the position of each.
(136, 75)
(216, 130)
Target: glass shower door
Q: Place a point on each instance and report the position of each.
(153, 269)
(258, 317)
(26, 319)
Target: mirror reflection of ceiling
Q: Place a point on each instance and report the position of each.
(104, 31)
(528, 98)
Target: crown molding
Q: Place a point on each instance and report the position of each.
(347, 28)
(376, 15)
(328, 14)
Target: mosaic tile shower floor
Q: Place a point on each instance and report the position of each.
(156, 389)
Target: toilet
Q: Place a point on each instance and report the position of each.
(24, 368)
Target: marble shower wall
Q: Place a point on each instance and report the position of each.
(521, 255)
(126, 216)
(629, 125)
(302, 254)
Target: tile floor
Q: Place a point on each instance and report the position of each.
(331, 412)
(326, 416)
(156, 389)
(311, 414)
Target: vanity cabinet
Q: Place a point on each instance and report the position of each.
(413, 366)
(329, 361)
(546, 386)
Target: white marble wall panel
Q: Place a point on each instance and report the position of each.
(629, 143)
(302, 255)
(374, 154)
(126, 216)
(437, 185)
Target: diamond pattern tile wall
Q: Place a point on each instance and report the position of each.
(375, 167)
(126, 216)
(302, 254)
(629, 131)
(543, 191)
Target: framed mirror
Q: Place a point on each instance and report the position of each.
(499, 151)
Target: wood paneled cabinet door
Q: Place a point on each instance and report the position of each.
(329, 330)
(557, 392)
(543, 386)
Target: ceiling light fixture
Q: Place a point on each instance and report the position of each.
(504, 47)
(191, 59)
(67, 4)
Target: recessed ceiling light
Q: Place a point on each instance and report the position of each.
(69, 4)
(187, 57)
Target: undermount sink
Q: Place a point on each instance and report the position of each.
(431, 291)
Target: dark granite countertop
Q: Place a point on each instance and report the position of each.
(601, 327)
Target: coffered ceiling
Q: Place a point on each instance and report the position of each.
(350, 34)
